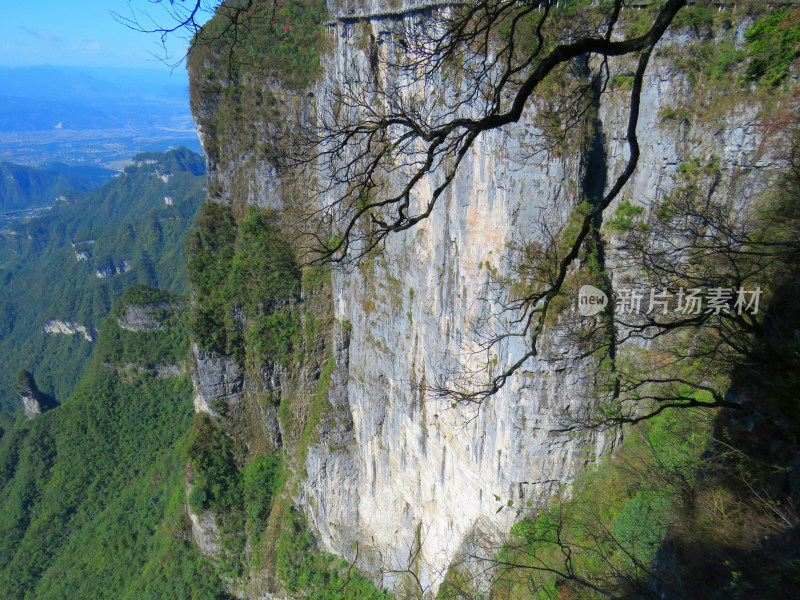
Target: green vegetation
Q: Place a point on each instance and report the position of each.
(698, 17)
(239, 497)
(93, 496)
(620, 512)
(247, 268)
(261, 479)
(689, 487)
(216, 479)
(319, 405)
(166, 346)
(249, 65)
(721, 70)
(281, 41)
(180, 160)
(624, 216)
(24, 187)
(774, 45)
(315, 575)
(43, 279)
(696, 503)
(93, 492)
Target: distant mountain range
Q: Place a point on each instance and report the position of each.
(95, 115)
(91, 84)
(24, 187)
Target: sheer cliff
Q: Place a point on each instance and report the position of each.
(332, 368)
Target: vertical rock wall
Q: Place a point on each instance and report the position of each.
(395, 471)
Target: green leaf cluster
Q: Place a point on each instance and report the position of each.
(624, 216)
(774, 45)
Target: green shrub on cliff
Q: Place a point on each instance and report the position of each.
(282, 41)
(315, 575)
(774, 45)
(168, 345)
(246, 268)
(216, 480)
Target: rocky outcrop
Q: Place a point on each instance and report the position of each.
(145, 317)
(205, 532)
(113, 269)
(157, 371)
(31, 404)
(216, 379)
(83, 250)
(70, 328)
(34, 402)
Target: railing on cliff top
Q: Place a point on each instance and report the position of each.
(423, 5)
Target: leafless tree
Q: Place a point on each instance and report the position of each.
(381, 137)
(732, 253)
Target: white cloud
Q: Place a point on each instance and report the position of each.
(87, 47)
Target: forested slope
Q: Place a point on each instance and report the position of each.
(93, 491)
(71, 264)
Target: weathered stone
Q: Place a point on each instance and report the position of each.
(70, 328)
(396, 468)
(113, 269)
(216, 379)
(145, 317)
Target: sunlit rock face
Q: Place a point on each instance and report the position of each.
(396, 472)
(56, 326)
(31, 406)
(113, 269)
(145, 317)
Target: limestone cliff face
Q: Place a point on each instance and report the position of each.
(145, 317)
(31, 404)
(69, 328)
(393, 470)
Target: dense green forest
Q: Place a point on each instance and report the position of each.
(24, 187)
(74, 262)
(93, 491)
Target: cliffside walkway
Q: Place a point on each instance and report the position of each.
(423, 5)
(393, 12)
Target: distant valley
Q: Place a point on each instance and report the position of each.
(63, 268)
(91, 116)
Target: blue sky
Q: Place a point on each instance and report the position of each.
(82, 33)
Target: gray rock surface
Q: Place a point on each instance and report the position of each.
(145, 317)
(395, 468)
(216, 379)
(114, 269)
(205, 533)
(31, 406)
(69, 328)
